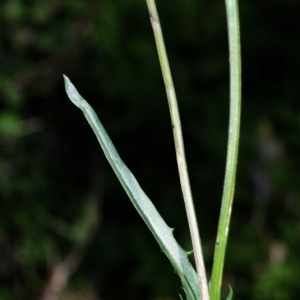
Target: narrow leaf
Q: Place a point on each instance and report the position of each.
(230, 295)
(161, 231)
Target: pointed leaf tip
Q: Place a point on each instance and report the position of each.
(73, 93)
(230, 295)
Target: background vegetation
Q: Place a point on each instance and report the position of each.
(55, 182)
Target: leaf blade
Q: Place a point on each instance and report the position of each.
(161, 231)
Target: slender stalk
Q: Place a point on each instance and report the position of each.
(179, 148)
(232, 147)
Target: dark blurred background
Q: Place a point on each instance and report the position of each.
(66, 225)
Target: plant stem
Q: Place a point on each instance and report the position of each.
(179, 148)
(232, 147)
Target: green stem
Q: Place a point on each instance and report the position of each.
(179, 148)
(232, 148)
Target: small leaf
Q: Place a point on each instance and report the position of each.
(230, 295)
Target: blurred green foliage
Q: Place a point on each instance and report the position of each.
(50, 161)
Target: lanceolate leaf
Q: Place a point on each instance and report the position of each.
(230, 295)
(161, 231)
